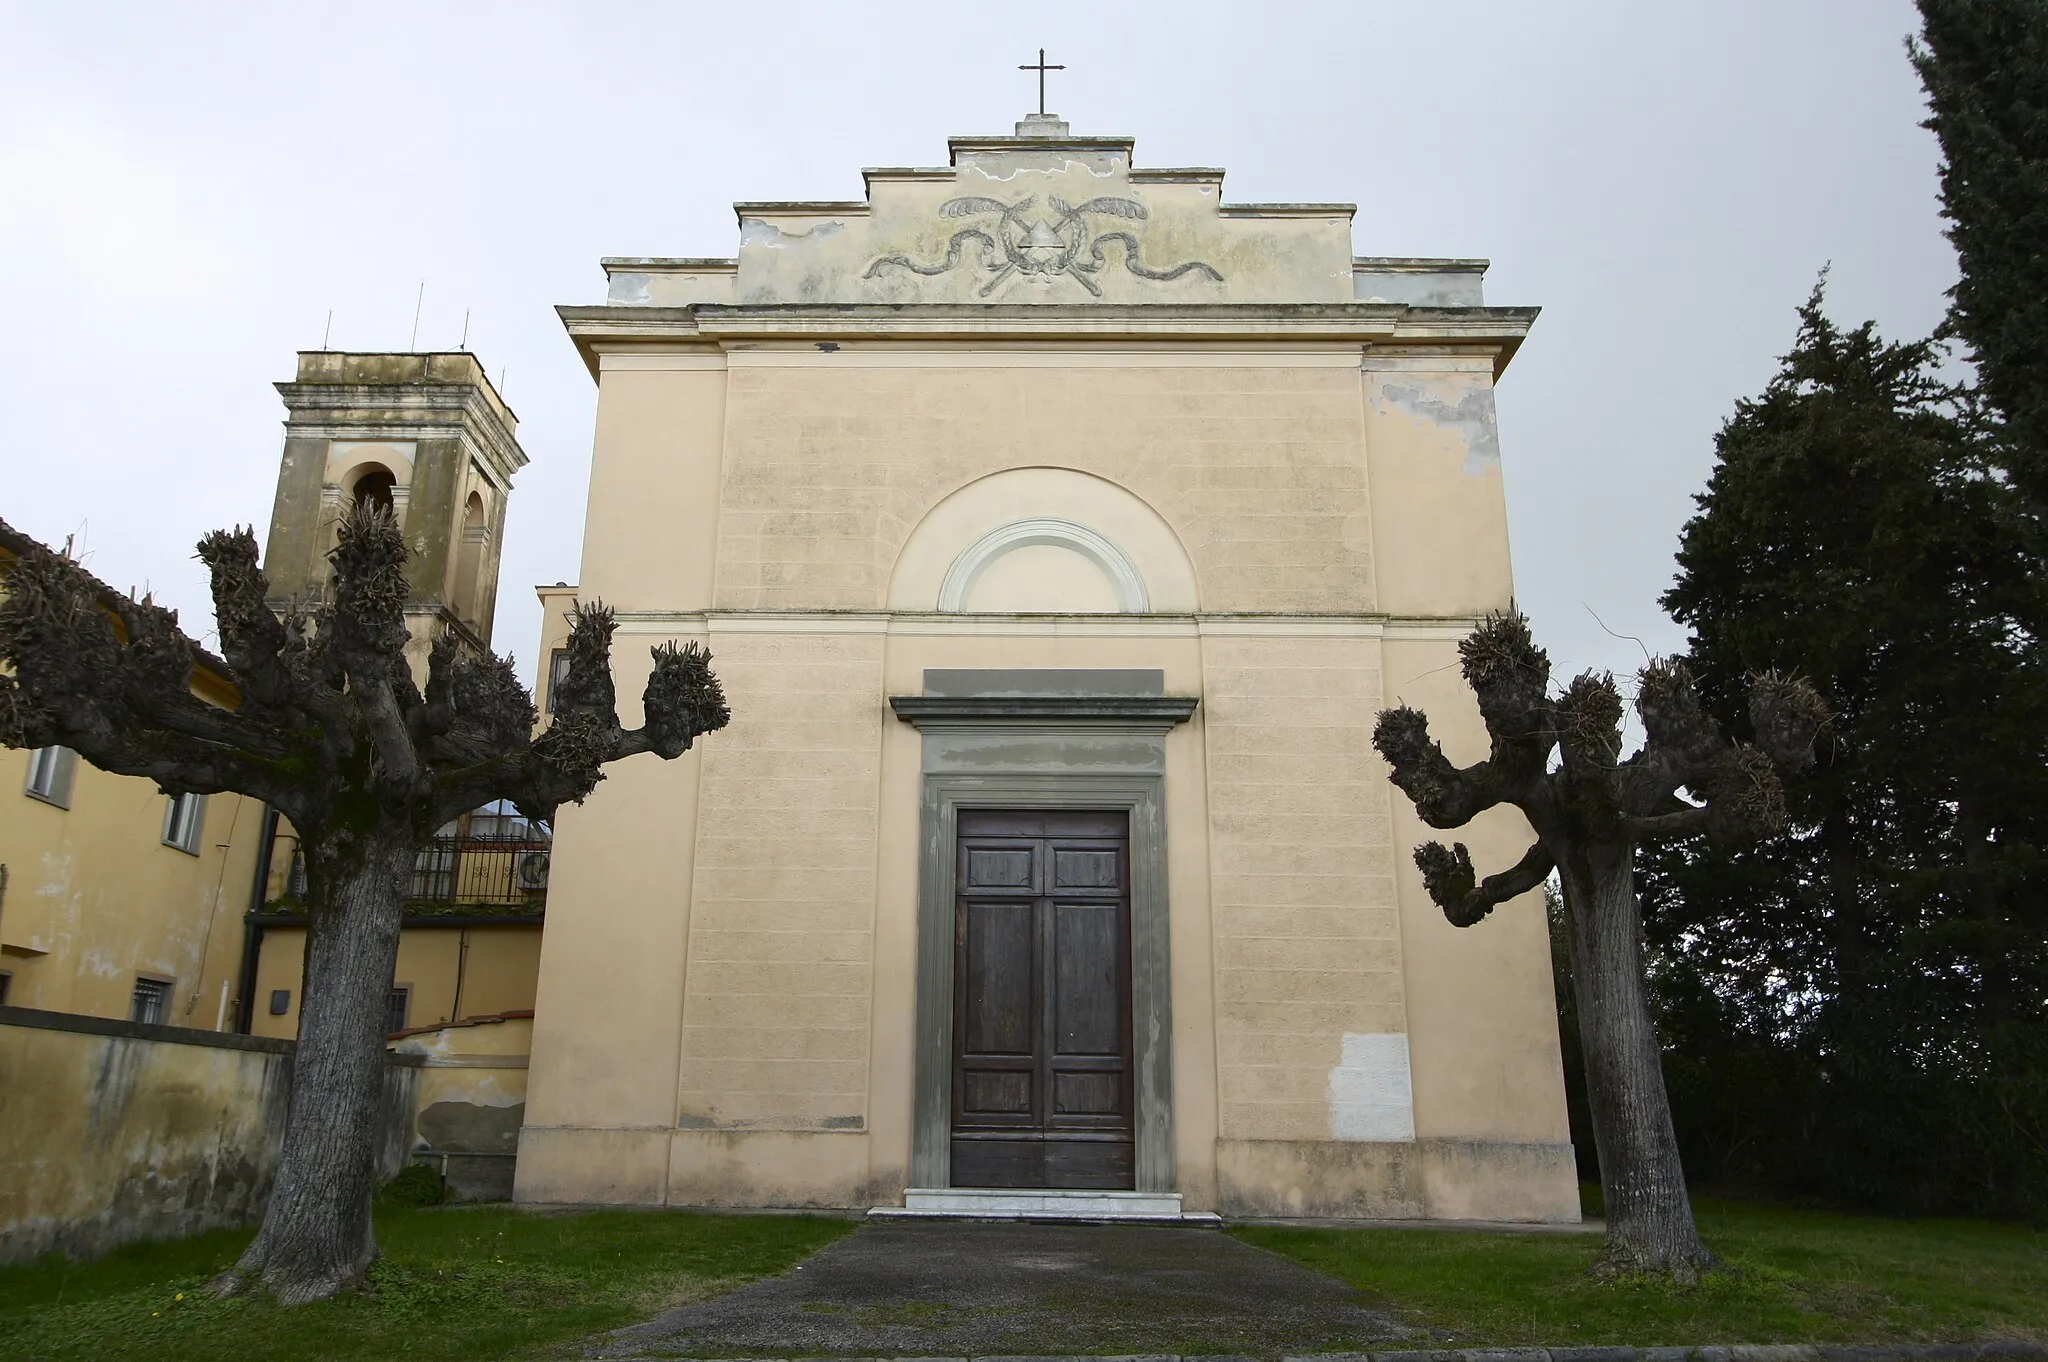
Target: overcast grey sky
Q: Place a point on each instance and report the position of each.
(185, 191)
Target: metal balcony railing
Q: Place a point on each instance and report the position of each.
(470, 870)
(493, 859)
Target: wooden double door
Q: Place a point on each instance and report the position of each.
(1042, 1046)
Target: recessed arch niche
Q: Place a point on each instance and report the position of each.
(1051, 540)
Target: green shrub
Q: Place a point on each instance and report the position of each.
(419, 1185)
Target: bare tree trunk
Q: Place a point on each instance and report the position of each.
(1649, 1217)
(316, 1237)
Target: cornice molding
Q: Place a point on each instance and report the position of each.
(981, 711)
(708, 325)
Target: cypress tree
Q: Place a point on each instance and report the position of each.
(1985, 67)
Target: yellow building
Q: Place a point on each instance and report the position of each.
(1058, 529)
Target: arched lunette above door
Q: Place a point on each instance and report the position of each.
(1124, 580)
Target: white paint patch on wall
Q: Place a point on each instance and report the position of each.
(1370, 1095)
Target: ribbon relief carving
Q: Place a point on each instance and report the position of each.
(1021, 242)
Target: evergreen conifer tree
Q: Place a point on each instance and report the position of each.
(1872, 978)
(1985, 67)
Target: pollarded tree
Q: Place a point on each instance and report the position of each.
(1590, 811)
(333, 733)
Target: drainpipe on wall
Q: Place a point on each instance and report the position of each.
(252, 932)
(461, 966)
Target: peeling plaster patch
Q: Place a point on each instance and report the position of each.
(1472, 414)
(1065, 167)
(761, 232)
(630, 288)
(1370, 1095)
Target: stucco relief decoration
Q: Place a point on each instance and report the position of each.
(1021, 242)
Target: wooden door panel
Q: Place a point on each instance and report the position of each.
(1086, 868)
(1086, 961)
(997, 960)
(999, 867)
(986, 1092)
(1042, 1004)
(1087, 1094)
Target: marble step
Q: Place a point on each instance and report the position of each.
(974, 1203)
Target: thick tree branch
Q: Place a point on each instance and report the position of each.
(1789, 716)
(1741, 793)
(1510, 676)
(110, 678)
(1448, 876)
(397, 759)
(1587, 718)
(682, 702)
(266, 653)
(1444, 795)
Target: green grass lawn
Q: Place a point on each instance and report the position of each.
(1802, 1277)
(491, 1282)
(454, 1282)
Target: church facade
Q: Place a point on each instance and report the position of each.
(1058, 529)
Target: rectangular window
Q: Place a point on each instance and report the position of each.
(401, 1000)
(5, 979)
(49, 775)
(433, 870)
(152, 1004)
(558, 672)
(183, 820)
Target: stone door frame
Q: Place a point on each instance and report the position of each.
(1041, 752)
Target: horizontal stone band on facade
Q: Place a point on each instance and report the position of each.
(667, 623)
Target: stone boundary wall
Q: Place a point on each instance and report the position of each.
(115, 1131)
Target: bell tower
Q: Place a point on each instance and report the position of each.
(424, 435)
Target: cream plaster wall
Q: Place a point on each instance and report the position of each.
(1249, 493)
(1307, 926)
(652, 524)
(602, 1091)
(1258, 468)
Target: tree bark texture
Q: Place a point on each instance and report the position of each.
(316, 1237)
(1650, 1225)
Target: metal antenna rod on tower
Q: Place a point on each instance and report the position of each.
(465, 330)
(329, 330)
(414, 343)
